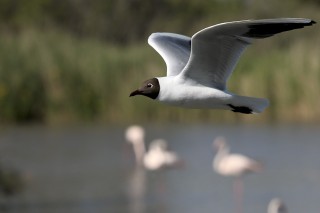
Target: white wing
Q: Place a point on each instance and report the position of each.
(173, 48)
(215, 50)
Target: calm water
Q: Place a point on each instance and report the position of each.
(90, 169)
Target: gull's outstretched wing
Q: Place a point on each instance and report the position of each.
(173, 48)
(216, 50)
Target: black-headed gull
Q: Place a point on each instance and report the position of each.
(199, 67)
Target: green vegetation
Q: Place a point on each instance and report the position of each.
(85, 72)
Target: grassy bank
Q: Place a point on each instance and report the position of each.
(53, 77)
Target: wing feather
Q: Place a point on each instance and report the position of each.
(216, 50)
(173, 48)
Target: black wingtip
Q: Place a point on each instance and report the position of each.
(263, 30)
(312, 22)
(240, 109)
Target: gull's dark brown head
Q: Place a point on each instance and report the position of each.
(150, 88)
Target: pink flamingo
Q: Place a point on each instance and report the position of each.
(235, 165)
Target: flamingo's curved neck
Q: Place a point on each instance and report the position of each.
(222, 152)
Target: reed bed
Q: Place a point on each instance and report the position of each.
(54, 77)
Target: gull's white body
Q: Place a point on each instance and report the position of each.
(203, 97)
(199, 67)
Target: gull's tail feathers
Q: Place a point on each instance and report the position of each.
(248, 105)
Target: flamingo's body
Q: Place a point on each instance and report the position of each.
(235, 165)
(229, 164)
(157, 157)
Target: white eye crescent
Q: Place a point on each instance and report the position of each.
(149, 85)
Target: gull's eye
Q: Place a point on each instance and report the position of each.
(149, 85)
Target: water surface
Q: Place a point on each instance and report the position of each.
(90, 169)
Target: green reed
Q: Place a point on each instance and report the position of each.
(53, 77)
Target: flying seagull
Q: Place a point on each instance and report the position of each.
(199, 67)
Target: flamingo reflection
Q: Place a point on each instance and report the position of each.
(158, 157)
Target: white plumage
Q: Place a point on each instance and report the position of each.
(199, 67)
(158, 155)
(230, 164)
(234, 165)
(276, 205)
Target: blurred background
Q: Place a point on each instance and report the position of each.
(67, 68)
